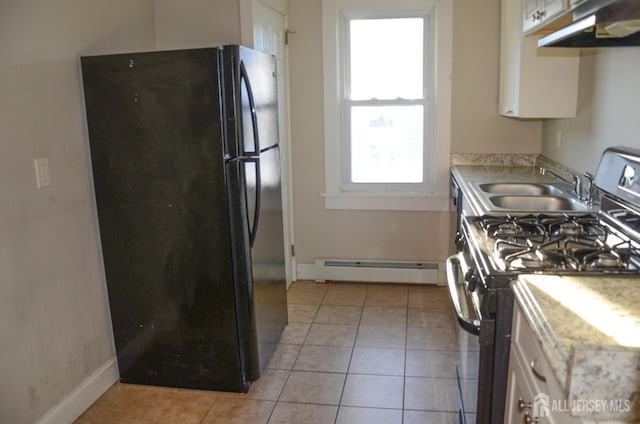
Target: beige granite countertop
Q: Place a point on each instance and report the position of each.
(589, 330)
(470, 170)
(494, 159)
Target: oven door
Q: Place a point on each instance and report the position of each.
(470, 324)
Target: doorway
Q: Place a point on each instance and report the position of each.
(265, 29)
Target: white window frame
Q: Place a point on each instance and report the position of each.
(426, 102)
(434, 193)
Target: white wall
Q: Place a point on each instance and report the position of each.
(476, 125)
(196, 23)
(608, 109)
(476, 128)
(54, 322)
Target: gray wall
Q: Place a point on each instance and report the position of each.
(54, 320)
(608, 109)
(476, 128)
(196, 23)
(54, 317)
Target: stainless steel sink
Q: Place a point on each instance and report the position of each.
(542, 203)
(520, 188)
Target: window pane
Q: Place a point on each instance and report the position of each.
(386, 58)
(386, 144)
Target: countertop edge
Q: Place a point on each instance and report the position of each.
(582, 361)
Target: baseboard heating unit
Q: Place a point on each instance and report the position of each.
(373, 271)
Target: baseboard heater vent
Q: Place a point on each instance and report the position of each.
(377, 271)
(376, 264)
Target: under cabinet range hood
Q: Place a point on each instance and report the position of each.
(599, 23)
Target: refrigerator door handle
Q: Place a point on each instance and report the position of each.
(253, 229)
(244, 79)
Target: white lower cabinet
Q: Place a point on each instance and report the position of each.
(533, 392)
(520, 395)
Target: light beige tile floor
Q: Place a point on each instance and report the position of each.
(351, 354)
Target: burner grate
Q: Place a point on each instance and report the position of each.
(558, 243)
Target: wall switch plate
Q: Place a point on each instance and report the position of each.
(43, 177)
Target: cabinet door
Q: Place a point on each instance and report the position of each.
(519, 395)
(537, 13)
(509, 51)
(551, 9)
(534, 83)
(530, 14)
(528, 394)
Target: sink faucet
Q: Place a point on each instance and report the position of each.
(577, 185)
(575, 181)
(591, 188)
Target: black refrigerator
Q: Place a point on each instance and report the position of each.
(186, 171)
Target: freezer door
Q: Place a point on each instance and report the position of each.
(251, 101)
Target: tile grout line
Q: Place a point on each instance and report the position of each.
(290, 371)
(206, 414)
(353, 347)
(303, 344)
(288, 376)
(406, 343)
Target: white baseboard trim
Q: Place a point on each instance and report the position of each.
(306, 272)
(319, 272)
(80, 398)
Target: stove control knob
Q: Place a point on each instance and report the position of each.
(471, 279)
(460, 241)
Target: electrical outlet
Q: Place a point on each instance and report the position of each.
(558, 138)
(43, 177)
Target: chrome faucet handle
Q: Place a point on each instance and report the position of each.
(577, 185)
(575, 180)
(590, 189)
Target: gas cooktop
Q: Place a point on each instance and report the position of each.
(556, 243)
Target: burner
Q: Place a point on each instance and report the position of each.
(508, 229)
(569, 229)
(580, 227)
(606, 260)
(532, 261)
(541, 257)
(507, 226)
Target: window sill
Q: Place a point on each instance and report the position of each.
(390, 201)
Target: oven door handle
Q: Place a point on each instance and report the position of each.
(470, 325)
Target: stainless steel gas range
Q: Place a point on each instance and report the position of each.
(494, 249)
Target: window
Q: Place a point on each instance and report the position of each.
(384, 103)
(386, 139)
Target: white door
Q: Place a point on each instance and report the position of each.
(269, 36)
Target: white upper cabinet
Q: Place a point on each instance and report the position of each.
(534, 82)
(536, 13)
